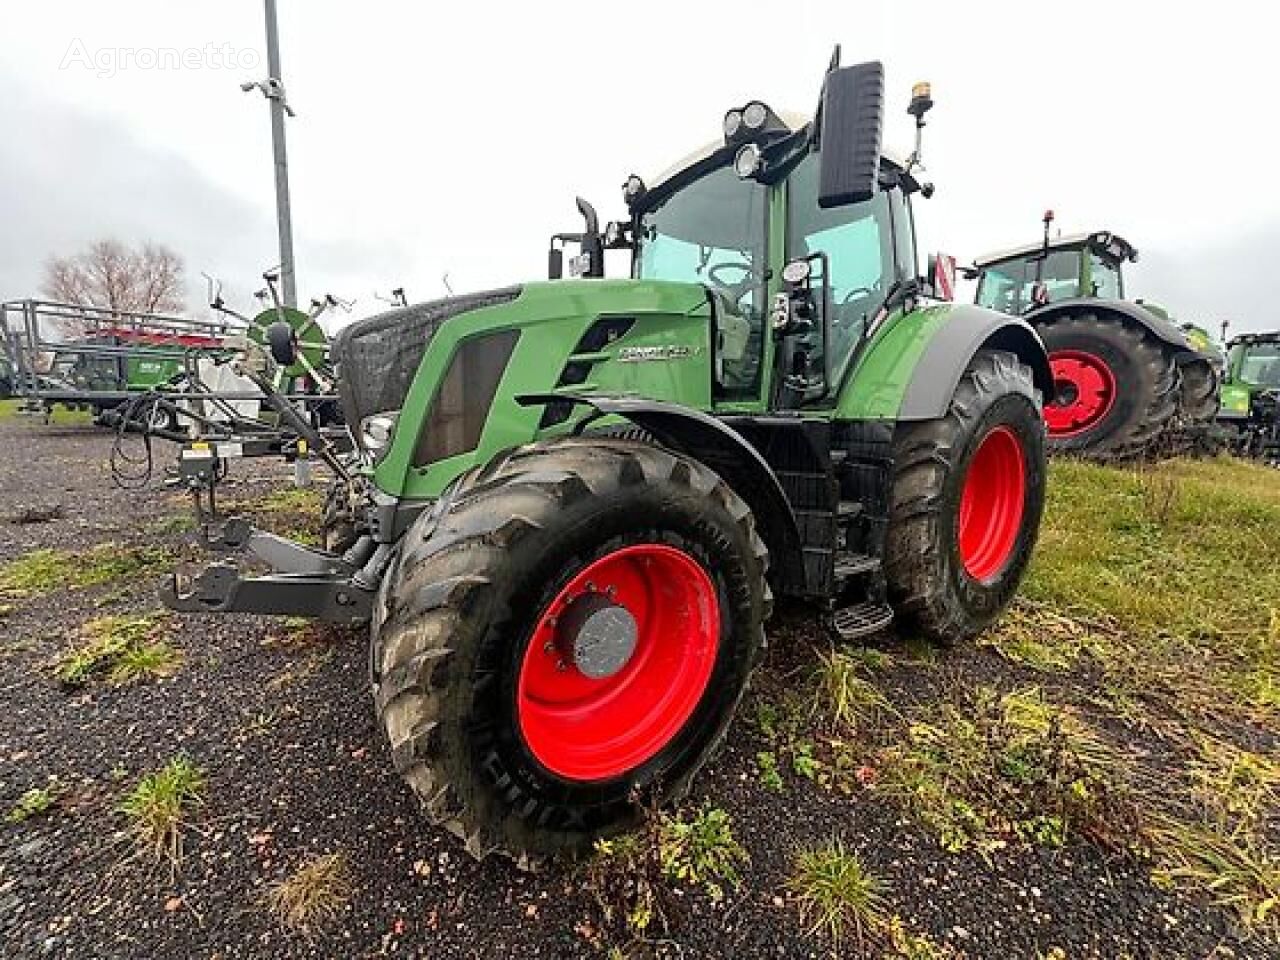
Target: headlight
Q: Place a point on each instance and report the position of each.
(376, 432)
(755, 115)
(747, 162)
(732, 123)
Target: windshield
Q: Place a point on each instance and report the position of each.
(858, 240)
(1007, 286)
(713, 232)
(1261, 365)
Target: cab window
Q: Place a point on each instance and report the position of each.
(712, 232)
(858, 240)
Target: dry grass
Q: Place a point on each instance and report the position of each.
(158, 808)
(846, 697)
(314, 894)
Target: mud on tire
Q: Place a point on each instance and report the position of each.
(457, 613)
(930, 584)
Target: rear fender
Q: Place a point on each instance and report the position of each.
(967, 330)
(1132, 314)
(708, 440)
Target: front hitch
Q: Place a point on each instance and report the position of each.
(304, 582)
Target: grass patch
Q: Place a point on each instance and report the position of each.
(989, 769)
(632, 875)
(158, 807)
(44, 571)
(60, 414)
(314, 894)
(1155, 592)
(845, 697)
(1184, 578)
(839, 899)
(120, 649)
(33, 803)
(701, 850)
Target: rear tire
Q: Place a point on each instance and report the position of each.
(1194, 431)
(460, 630)
(968, 494)
(1117, 386)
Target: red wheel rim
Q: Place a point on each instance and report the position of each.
(992, 504)
(582, 728)
(1085, 391)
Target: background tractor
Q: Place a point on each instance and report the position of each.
(1250, 412)
(1129, 382)
(575, 500)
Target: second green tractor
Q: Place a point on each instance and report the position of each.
(1129, 382)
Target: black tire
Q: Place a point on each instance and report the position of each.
(1144, 371)
(456, 614)
(338, 531)
(1193, 431)
(929, 586)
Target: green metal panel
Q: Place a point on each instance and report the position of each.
(875, 387)
(145, 372)
(671, 319)
(1235, 398)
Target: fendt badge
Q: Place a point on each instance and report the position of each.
(643, 354)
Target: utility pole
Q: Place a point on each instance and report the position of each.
(273, 89)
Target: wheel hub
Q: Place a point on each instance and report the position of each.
(1084, 392)
(598, 635)
(618, 661)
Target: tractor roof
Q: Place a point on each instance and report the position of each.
(792, 118)
(1102, 240)
(1268, 336)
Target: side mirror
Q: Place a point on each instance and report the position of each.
(283, 343)
(849, 137)
(942, 276)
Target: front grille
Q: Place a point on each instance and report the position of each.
(377, 357)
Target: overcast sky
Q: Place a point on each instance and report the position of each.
(434, 138)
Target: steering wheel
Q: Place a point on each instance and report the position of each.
(736, 290)
(857, 293)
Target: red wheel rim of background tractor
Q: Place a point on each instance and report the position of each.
(588, 729)
(1087, 382)
(992, 504)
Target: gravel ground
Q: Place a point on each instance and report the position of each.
(280, 722)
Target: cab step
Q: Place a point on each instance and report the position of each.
(861, 619)
(852, 564)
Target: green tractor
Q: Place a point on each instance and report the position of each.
(1129, 382)
(1250, 412)
(576, 500)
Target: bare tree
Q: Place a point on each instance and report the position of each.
(109, 274)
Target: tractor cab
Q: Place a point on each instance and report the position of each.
(1253, 360)
(1084, 265)
(799, 254)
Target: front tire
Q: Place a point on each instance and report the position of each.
(515, 735)
(968, 494)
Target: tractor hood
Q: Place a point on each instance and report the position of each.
(376, 358)
(448, 372)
